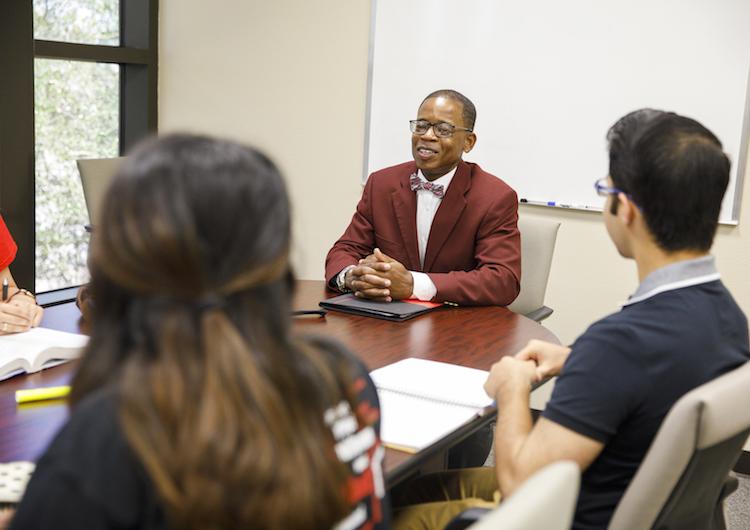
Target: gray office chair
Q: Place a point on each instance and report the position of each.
(686, 475)
(538, 238)
(96, 174)
(547, 500)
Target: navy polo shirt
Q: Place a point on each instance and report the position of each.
(681, 329)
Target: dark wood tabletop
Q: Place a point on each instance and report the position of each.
(470, 336)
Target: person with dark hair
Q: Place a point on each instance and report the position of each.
(616, 383)
(194, 406)
(437, 228)
(19, 310)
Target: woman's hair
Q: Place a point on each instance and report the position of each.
(190, 273)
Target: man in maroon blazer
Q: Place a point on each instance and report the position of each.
(437, 228)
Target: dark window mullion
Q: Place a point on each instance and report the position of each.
(17, 133)
(138, 83)
(45, 49)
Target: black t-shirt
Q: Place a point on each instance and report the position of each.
(627, 370)
(90, 479)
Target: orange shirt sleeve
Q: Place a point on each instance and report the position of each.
(8, 247)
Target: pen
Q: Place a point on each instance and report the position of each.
(537, 203)
(309, 312)
(38, 394)
(5, 289)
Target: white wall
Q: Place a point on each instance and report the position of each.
(291, 76)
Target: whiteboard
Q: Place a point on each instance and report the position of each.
(549, 78)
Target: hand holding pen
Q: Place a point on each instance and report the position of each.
(18, 310)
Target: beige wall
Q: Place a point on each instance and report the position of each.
(287, 76)
(290, 76)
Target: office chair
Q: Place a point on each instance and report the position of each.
(538, 238)
(686, 475)
(96, 174)
(546, 500)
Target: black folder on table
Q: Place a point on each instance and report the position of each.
(398, 311)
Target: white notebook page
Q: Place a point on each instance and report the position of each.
(449, 383)
(422, 401)
(410, 423)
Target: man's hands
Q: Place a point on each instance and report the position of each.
(19, 313)
(510, 375)
(381, 278)
(533, 363)
(549, 358)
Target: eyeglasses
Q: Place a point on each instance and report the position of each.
(441, 128)
(603, 190)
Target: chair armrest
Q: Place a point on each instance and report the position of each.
(467, 518)
(540, 313)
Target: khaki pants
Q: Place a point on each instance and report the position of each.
(431, 501)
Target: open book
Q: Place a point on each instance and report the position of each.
(37, 349)
(422, 401)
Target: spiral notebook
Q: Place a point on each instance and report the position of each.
(422, 401)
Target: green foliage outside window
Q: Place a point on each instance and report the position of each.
(76, 116)
(81, 21)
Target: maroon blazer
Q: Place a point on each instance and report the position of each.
(473, 254)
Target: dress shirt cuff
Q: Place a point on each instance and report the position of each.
(341, 279)
(424, 289)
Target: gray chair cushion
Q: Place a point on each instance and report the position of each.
(538, 238)
(96, 174)
(546, 500)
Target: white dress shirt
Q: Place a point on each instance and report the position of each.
(427, 205)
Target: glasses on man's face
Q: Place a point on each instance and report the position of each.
(603, 190)
(441, 129)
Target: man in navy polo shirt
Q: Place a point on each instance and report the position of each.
(680, 329)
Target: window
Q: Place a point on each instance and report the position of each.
(83, 77)
(80, 21)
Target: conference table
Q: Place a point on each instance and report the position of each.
(470, 336)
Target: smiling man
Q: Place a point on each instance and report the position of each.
(437, 228)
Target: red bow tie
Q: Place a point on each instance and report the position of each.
(417, 183)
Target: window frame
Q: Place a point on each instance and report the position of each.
(137, 57)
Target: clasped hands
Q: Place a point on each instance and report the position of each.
(381, 278)
(19, 313)
(537, 361)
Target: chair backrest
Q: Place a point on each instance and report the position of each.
(538, 238)
(680, 481)
(96, 174)
(546, 500)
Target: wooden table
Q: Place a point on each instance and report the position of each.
(474, 337)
